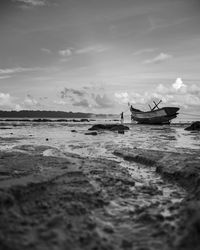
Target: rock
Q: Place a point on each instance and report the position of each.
(47, 139)
(108, 228)
(91, 133)
(84, 120)
(126, 244)
(120, 131)
(189, 237)
(194, 126)
(73, 131)
(111, 127)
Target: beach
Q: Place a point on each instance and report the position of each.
(62, 188)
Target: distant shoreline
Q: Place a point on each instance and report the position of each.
(45, 114)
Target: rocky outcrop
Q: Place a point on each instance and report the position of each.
(91, 133)
(111, 127)
(184, 169)
(194, 126)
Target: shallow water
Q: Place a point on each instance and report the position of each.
(167, 138)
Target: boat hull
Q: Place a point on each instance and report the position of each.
(158, 116)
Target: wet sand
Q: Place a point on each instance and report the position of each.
(55, 200)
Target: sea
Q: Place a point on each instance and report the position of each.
(71, 137)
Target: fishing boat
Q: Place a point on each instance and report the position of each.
(156, 115)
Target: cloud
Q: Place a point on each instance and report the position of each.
(8, 102)
(68, 52)
(177, 87)
(48, 51)
(158, 59)
(82, 103)
(184, 94)
(30, 101)
(92, 49)
(66, 92)
(31, 3)
(60, 102)
(86, 97)
(5, 99)
(123, 97)
(103, 101)
(65, 52)
(17, 70)
(177, 93)
(18, 107)
(132, 97)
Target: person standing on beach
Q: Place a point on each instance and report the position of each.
(122, 117)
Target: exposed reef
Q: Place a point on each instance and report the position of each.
(111, 127)
(194, 126)
(183, 169)
(55, 200)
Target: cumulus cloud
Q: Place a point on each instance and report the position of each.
(18, 107)
(123, 97)
(136, 98)
(82, 103)
(184, 94)
(86, 97)
(158, 59)
(60, 102)
(5, 99)
(177, 93)
(30, 101)
(103, 101)
(178, 87)
(8, 102)
(66, 92)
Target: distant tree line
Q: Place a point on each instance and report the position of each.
(43, 114)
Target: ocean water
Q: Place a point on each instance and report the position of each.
(59, 135)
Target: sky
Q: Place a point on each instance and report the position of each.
(96, 56)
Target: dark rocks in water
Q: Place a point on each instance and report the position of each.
(194, 126)
(91, 133)
(84, 120)
(41, 120)
(73, 131)
(47, 139)
(111, 127)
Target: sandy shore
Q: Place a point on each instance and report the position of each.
(52, 200)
